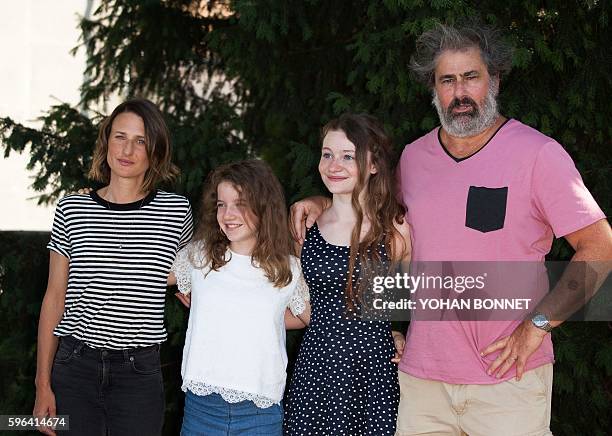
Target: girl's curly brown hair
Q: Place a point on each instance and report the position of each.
(260, 189)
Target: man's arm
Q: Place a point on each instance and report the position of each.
(588, 269)
(583, 276)
(304, 213)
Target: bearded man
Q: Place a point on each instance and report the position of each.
(486, 188)
(482, 187)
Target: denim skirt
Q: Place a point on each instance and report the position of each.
(211, 415)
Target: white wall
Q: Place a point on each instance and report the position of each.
(36, 71)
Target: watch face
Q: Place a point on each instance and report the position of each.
(539, 320)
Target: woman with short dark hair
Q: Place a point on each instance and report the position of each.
(110, 254)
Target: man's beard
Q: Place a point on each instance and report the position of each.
(470, 123)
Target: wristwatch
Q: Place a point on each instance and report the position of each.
(540, 321)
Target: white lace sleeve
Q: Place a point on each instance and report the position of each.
(297, 303)
(182, 268)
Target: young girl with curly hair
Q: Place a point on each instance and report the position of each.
(242, 276)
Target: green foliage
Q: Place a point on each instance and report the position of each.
(60, 150)
(246, 78)
(243, 78)
(582, 379)
(23, 279)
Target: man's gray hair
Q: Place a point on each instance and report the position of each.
(495, 52)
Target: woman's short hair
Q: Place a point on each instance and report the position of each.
(159, 147)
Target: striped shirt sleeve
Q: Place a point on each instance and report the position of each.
(60, 242)
(187, 231)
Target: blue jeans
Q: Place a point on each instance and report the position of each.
(116, 392)
(211, 415)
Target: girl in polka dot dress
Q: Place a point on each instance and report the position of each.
(345, 378)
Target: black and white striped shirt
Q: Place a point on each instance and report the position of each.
(120, 256)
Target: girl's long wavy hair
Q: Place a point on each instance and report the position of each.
(259, 188)
(379, 201)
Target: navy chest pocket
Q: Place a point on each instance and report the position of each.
(486, 208)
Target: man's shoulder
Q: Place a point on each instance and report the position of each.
(423, 142)
(528, 135)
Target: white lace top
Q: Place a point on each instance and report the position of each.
(235, 341)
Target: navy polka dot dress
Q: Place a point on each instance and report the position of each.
(344, 382)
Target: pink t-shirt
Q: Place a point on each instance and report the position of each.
(521, 187)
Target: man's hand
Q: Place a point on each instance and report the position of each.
(44, 406)
(516, 348)
(304, 213)
(400, 342)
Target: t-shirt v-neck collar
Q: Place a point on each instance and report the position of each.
(461, 159)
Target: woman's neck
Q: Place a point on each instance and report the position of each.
(123, 191)
(338, 222)
(342, 208)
